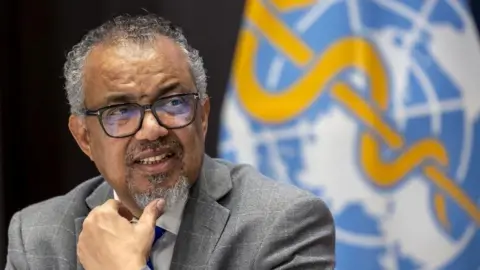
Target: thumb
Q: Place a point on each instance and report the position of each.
(151, 213)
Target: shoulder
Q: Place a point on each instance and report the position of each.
(44, 232)
(290, 226)
(56, 212)
(252, 190)
(53, 209)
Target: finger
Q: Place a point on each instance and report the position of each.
(151, 213)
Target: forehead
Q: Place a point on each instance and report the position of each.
(134, 68)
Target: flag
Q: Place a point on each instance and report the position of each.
(372, 105)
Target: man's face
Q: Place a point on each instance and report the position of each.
(155, 161)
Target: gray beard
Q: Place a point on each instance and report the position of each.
(171, 195)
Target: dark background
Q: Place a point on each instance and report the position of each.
(38, 157)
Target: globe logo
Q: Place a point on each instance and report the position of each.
(373, 106)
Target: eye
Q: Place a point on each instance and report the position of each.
(176, 101)
(174, 105)
(121, 112)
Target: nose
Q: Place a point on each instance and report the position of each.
(150, 129)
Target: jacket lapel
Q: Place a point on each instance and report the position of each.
(99, 196)
(203, 218)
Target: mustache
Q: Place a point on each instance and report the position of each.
(171, 145)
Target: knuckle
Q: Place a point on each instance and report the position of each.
(88, 221)
(81, 239)
(98, 212)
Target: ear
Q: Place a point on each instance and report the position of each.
(77, 127)
(205, 113)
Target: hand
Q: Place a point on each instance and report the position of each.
(109, 241)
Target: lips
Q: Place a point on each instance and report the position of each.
(155, 161)
(153, 155)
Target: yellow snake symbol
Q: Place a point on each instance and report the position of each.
(429, 154)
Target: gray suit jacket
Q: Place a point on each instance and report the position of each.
(235, 218)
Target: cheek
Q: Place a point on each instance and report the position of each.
(109, 157)
(191, 139)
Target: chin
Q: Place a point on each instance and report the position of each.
(171, 189)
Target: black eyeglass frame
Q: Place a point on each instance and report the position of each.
(143, 108)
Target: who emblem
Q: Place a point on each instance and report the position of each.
(374, 106)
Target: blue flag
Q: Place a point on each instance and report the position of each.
(373, 106)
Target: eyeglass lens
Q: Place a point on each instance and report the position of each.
(172, 112)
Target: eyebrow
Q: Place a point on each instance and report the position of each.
(121, 97)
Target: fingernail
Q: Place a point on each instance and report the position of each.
(160, 204)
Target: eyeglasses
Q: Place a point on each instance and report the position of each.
(123, 120)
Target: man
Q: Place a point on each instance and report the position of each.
(139, 111)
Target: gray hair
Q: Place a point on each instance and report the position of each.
(138, 29)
